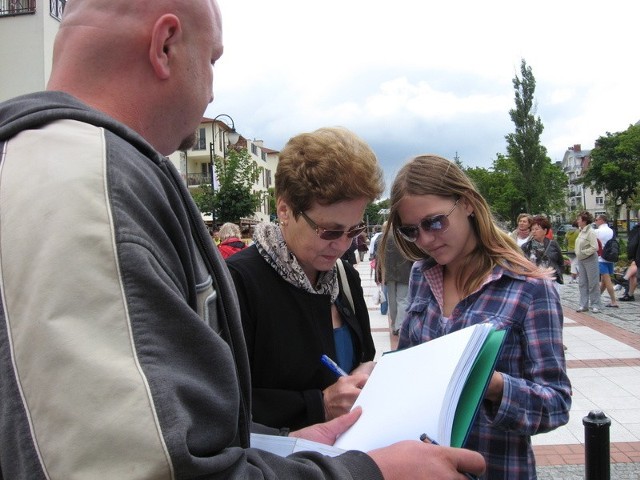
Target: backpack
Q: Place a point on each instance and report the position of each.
(611, 250)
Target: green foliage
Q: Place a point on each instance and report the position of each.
(615, 168)
(540, 183)
(204, 198)
(234, 198)
(371, 212)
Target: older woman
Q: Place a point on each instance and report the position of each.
(294, 305)
(588, 270)
(230, 241)
(522, 233)
(542, 251)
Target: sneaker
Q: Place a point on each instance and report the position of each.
(585, 309)
(627, 298)
(595, 310)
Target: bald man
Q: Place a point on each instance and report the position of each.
(121, 350)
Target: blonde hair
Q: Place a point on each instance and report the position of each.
(435, 175)
(228, 230)
(327, 166)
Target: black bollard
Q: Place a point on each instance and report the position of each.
(596, 446)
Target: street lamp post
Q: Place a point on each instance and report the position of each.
(232, 138)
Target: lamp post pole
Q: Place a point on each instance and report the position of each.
(232, 137)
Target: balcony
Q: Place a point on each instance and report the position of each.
(11, 8)
(195, 179)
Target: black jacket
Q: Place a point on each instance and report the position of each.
(287, 330)
(552, 257)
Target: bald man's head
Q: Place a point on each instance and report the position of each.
(147, 64)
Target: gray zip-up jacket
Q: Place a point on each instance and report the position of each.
(121, 349)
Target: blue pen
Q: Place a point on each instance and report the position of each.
(333, 366)
(425, 438)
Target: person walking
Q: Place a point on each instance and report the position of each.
(588, 270)
(395, 270)
(604, 234)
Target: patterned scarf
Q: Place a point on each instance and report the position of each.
(273, 248)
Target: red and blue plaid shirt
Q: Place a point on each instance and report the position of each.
(537, 391)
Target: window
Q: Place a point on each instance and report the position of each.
(201, 140)
(57, 8)
(9, 8)
(599, 200)
(254, 149)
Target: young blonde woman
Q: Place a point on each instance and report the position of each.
(468, 271)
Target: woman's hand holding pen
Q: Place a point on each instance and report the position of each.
(340, 397)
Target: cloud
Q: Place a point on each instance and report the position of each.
(413, 77)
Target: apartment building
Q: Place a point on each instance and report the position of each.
(574, 163)
(27, 31)
(215, 137)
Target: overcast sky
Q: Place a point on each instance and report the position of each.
(421, 76)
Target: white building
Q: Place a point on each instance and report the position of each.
(574, 163)
(213, 139)
(27, 30)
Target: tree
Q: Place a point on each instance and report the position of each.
(236, 174)
(372, 213)
(498, 189)
(534, 176)
(615, 168)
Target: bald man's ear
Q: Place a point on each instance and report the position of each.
(166, 33)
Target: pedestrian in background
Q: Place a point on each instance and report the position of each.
(588, 270)
(604, 234)
(363, 245)
(543, 252)
(571, 236)
(230, 241)
(522, 233)
(633, 255)
(395, 270)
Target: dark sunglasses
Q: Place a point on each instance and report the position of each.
(325, 234)
(435, 224)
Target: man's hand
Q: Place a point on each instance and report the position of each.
(328, 432)
(414, 459)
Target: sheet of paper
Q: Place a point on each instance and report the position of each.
(404, 395)
(285, 446)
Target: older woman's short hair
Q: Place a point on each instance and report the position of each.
(229, 230)
(586, 217)
(327, 166)
(542, 221)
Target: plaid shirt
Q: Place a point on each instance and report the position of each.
(537, 391)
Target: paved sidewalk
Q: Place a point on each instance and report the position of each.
(603, 363)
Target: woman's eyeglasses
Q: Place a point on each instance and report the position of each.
(435, 224)
(325, 234)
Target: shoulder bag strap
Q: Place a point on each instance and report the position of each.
(345, 283)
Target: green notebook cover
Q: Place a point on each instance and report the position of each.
(475, 386)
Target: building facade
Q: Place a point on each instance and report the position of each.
(574, 163)
(27, 31)
(212, 139)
